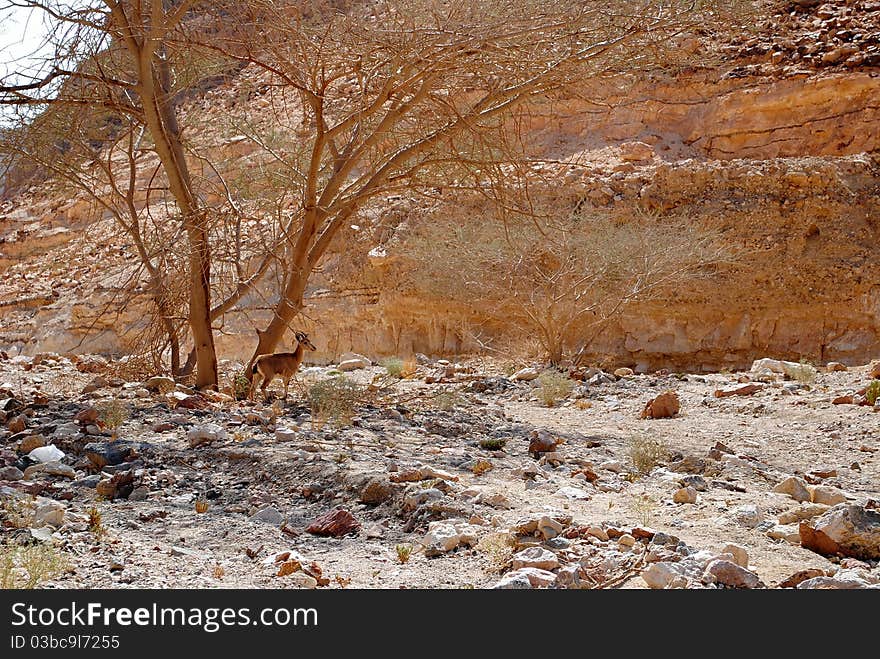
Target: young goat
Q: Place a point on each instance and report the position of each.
(283, 364)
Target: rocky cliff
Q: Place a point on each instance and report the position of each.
(776, 146)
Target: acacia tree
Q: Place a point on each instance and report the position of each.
(115, 57)
(413, 95)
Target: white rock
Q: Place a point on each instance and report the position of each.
(664, 575)
(573, 493)
(787, 532)
(441, 537)
(514, 581)
(525, 374)
(301, 580)
(538, 557)
(537, 577)
(205, 434)
(46, 454)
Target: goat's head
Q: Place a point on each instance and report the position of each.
(303, 339)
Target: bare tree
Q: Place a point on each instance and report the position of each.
(559, 286)
(413, 96)
(115, 58)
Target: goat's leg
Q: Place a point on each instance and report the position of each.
(252, 389)
(286, 383)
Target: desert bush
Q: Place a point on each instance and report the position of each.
(872, 392)
(498, 548)
(804, 373)
(394, 366)
(96, 525)
(643, 507)
(554, 386)
(27, 567)
(646, 453)
(335, 400)
(17, 512)
(447, 399)
(241, 386)
(113, 413)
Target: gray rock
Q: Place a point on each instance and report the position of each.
(50, 468)
(268, 515)
(749, 516)
(852, 530)
(11, 474)
(283, 434)
(513, 581)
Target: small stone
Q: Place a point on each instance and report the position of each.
(283, 434)
(11, 474)
(535, 557)
(827, 495)
(549, 527)
(268, 515)
(664, 575)
(542, 441)
(626, 541)
(28, 444)
(515, 580)
(525, 374)
(636, 152)
(354, 363)
(17, 423)
(685, 495)
(335, 523)
(49, 514)
(537, 577)
(160, 384)
(375, 491)
(598, 532)
(695, 481)
(730, 574)
(623, 372)
(795, 488)
(101, 454)
(664, 406)
(50, 468)
(205, 434)
(739, 553)
(441, 537)
(833, 367)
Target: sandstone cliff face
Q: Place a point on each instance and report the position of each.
(778, 150)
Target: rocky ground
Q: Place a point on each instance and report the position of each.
(456, 476)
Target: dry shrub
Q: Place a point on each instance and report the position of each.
(498, 548)
(646, 453)
(554, 386)
(335, 400)
(556, 281)
(27, 567)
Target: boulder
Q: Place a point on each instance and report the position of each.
(795, 488)
(728, 573)
(739, 553)
(537, 557)
(826, 495)
(335, 523)
(851, 530)
(664, 406)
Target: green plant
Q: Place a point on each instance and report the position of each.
(554, 386)
(241, 386)
(872, 392)
(334, 399)
(403, 552)
(394, 366)
(493, 443)
(646, 453)
(113, 413)
(643, 507)
(27, 567)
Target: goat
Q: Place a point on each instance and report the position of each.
(283, 364)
